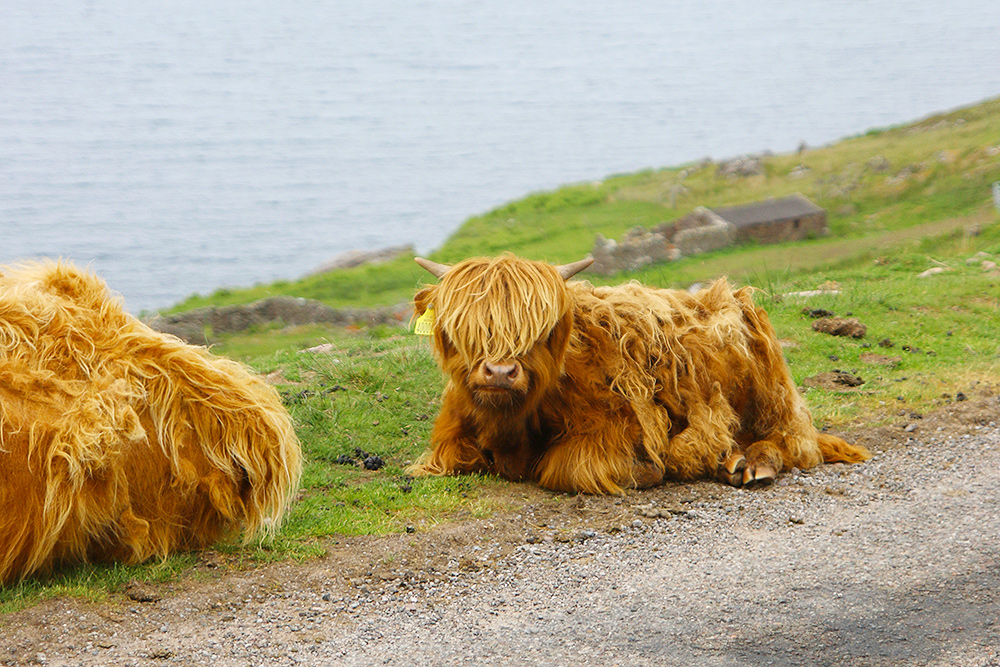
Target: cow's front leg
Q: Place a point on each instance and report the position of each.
(601, 460)
(645, 475)
(454, 446)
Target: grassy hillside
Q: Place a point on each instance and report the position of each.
(901, 201)
(874, 187)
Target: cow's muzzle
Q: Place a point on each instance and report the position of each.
(502, 375)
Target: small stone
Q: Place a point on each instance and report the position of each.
(796, 519)
(910, 428)
(977, 258)
(140, 593)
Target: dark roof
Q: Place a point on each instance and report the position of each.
(771, 210)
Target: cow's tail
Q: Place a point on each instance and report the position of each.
(836, 450)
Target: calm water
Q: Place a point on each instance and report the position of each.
(181, 146)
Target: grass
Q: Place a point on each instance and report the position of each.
(941, 330)
(92, 582)
(377, 391)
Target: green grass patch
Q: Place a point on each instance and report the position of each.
(91, 582)
(939, 332)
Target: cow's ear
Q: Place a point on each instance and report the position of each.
(559, 336)
(423, 300)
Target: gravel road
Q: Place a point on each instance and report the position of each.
(891, 562)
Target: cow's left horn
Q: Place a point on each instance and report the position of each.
(437, 269)
(567, 271)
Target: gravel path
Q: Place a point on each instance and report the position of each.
(892, 562)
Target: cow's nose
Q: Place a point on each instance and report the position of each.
(501, 374)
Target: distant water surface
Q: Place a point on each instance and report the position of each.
(178, 147)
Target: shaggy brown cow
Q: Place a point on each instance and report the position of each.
(118, 442)
(594, 389)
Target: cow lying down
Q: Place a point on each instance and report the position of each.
(596, 389)
(121, 443)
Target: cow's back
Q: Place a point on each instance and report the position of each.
(120, 442)
(645, 323)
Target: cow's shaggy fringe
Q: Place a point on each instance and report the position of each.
(485, 326)
(624, 384)
(119, 442)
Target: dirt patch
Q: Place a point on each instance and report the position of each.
(840, 326)
(880, 359)
(834, 381)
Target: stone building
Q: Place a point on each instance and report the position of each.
(639, 247)
(705, 229)
(791, 218)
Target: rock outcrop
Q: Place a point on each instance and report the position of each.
(202, 325)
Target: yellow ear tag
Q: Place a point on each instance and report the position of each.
(424, 326)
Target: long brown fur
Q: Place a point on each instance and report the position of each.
(618, 386)
(119, 442)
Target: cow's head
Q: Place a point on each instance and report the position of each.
(501, 326)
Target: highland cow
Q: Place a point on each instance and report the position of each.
(121, 443)
(597, 389)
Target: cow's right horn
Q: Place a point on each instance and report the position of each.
(437, 269)
(567, 271)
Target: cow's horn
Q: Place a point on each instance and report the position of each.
(567, 271)
(437, 269)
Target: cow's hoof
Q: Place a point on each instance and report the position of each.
(731, 470)
(646, 475)
(758, 475)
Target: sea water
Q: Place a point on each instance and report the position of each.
(178, 147)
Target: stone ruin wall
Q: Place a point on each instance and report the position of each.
(696, 233)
